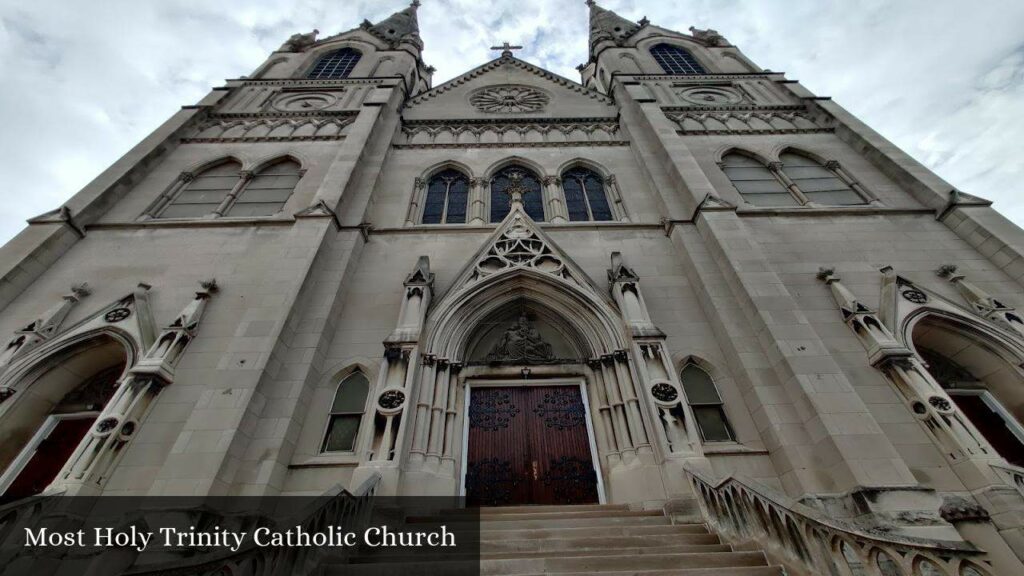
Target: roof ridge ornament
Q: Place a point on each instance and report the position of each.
(506, 49)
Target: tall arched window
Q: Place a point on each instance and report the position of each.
(267, 191)
(585, 198)
(818, 183)
(447, 193)
(205, 192)
(755, 182)
(346, 414)
(676, 60)
(336, 64)
(706, 403)
(525, 182)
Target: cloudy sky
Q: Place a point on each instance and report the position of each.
(85, 81)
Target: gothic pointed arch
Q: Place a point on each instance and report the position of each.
(515, 175)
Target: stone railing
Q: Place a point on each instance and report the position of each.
(1011, 475)
(807, 542)
(336, 507)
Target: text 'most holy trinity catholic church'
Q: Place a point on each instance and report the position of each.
(683, 282)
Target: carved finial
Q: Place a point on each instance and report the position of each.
(81, 290)
(415, 4)
(825, 273)
(946, 270)
(644, 21)
(209, 285)
(591, 3)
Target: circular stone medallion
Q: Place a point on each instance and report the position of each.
(509, 99)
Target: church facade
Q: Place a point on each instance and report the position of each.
(683, 278)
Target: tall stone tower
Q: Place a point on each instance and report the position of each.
(684, 279)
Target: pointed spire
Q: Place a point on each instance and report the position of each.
(607, 25)
(397, 26)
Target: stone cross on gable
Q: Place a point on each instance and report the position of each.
(506, 48)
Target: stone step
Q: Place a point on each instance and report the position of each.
(688, 564)
(633, 562)
(573, 552)
(595, 542)
(499, 510)
(559, 522)
(513, 516)
(503, 534)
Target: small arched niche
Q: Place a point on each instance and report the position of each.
(54, 405)
(523, 333)
(981, 375)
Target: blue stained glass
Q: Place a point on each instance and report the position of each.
(501, 201)
(585, 198)
(337, 64)
(675, 60)
(447, 193)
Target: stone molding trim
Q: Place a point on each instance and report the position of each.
(580, 143)
(513, 61)
(270, 129)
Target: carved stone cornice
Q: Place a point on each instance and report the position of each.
(514, 144)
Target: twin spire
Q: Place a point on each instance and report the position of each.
(400, 25)
(607, 25)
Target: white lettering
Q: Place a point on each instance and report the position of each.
(43, 537)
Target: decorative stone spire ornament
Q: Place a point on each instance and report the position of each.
(299, 42)
(92, 462)
(607, 25)
(710, 37)
(879, 342)
(44, 327)
(982, 302)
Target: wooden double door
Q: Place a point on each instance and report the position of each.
(528, 445)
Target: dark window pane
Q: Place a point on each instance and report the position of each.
(337, 64)
(501, 201)
(341, 433)
(204, 193)
(433, 208)
(599, 208)
(698, 386)
(458, 195)
(675, 60)
(351, 395)
(575, 201)
(712, 423)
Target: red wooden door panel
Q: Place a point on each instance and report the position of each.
(528, 445)
(48, 459)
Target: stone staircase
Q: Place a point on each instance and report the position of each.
(610, 540)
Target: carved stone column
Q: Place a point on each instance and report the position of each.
(165, 198)
(554, 200)
(244, 177)
(852, 182)
(611, 184)
(395, 385)
(477, 202)
(776, 168)
(418, 191)
(93, 461)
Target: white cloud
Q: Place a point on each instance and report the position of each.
(85, 81)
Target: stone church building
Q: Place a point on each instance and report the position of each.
(681, 283)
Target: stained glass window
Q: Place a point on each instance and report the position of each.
(528, 184)
(675, 60)
(702, 395)
(268, 190)
(336, 64)
(755, 182)
(585, 198)
(447, 193)
(346, 414)
(818, 184)
(205, 192)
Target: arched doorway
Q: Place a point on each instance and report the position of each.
(54, 405)
(981, 374)
(528, 434)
